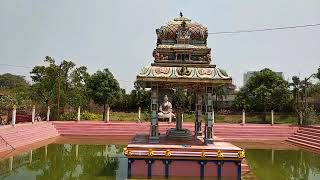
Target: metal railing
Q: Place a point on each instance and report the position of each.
(6, 143)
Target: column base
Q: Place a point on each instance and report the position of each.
(199, 133)
(154, 140)
(208, 141)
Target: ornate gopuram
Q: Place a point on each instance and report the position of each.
(182, 60)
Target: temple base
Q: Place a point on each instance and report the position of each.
(189, 158)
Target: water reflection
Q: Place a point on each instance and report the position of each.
(283, 164)
(65, 161)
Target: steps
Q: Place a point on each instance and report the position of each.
(223, 132)
(307, 137)
(28, 133)
(253, 132)
(25, 134)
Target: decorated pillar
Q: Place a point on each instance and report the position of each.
(198, 112)
(208, 131)
(154, 128)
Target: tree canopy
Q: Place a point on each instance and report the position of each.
(10, 81)
(103, 88)
(264, 91)
(63, 81)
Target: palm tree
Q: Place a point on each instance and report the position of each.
(296, 91)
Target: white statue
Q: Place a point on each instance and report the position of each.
(165, 109)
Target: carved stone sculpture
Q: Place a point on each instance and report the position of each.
(165, 109)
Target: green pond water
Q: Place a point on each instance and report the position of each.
(66, 161)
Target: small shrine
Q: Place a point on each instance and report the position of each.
(182, 61)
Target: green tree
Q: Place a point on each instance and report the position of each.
(59, 85)
(297, 90)
(318, 73)
(103, 88)
(78, 89)
(10, 81)
(263, 92)
(220, 93)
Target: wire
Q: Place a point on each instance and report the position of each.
(266, 29)
(15, 65)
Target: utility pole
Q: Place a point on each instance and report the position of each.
(58, 97)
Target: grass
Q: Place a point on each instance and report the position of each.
(189, 117)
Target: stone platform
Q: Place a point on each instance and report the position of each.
(188, 158)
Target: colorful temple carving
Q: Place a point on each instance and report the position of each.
(182, 61)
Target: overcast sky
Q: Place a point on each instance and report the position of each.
(120, 35)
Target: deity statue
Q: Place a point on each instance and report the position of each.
(165, 109)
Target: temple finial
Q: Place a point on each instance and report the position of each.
(181, 15)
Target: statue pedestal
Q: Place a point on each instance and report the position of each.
(179, 134)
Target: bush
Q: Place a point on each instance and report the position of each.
(146, 116)
(90, 116)
(68, 117)
(310, 116)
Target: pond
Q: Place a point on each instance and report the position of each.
(94, 162)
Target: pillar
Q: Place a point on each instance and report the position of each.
(272, 156)
(79, 114)
(243, 117)
(272, 120)
(198, 111)
(300, 117)
(213, 117)
(182, 117)
(33, 116)
(14, 113)
(77, 151)
(106, 151)
(45, 151)
(30, 157)
(48, 113)
(11, 163)
(139, 114)
(179, 121)
(108, 113)
(154, 129)
(208, 131)
(166, 167)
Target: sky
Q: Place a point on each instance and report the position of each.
(120, 34)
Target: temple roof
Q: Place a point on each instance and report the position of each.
(168, 32)
(185, 75)
(182, 58)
